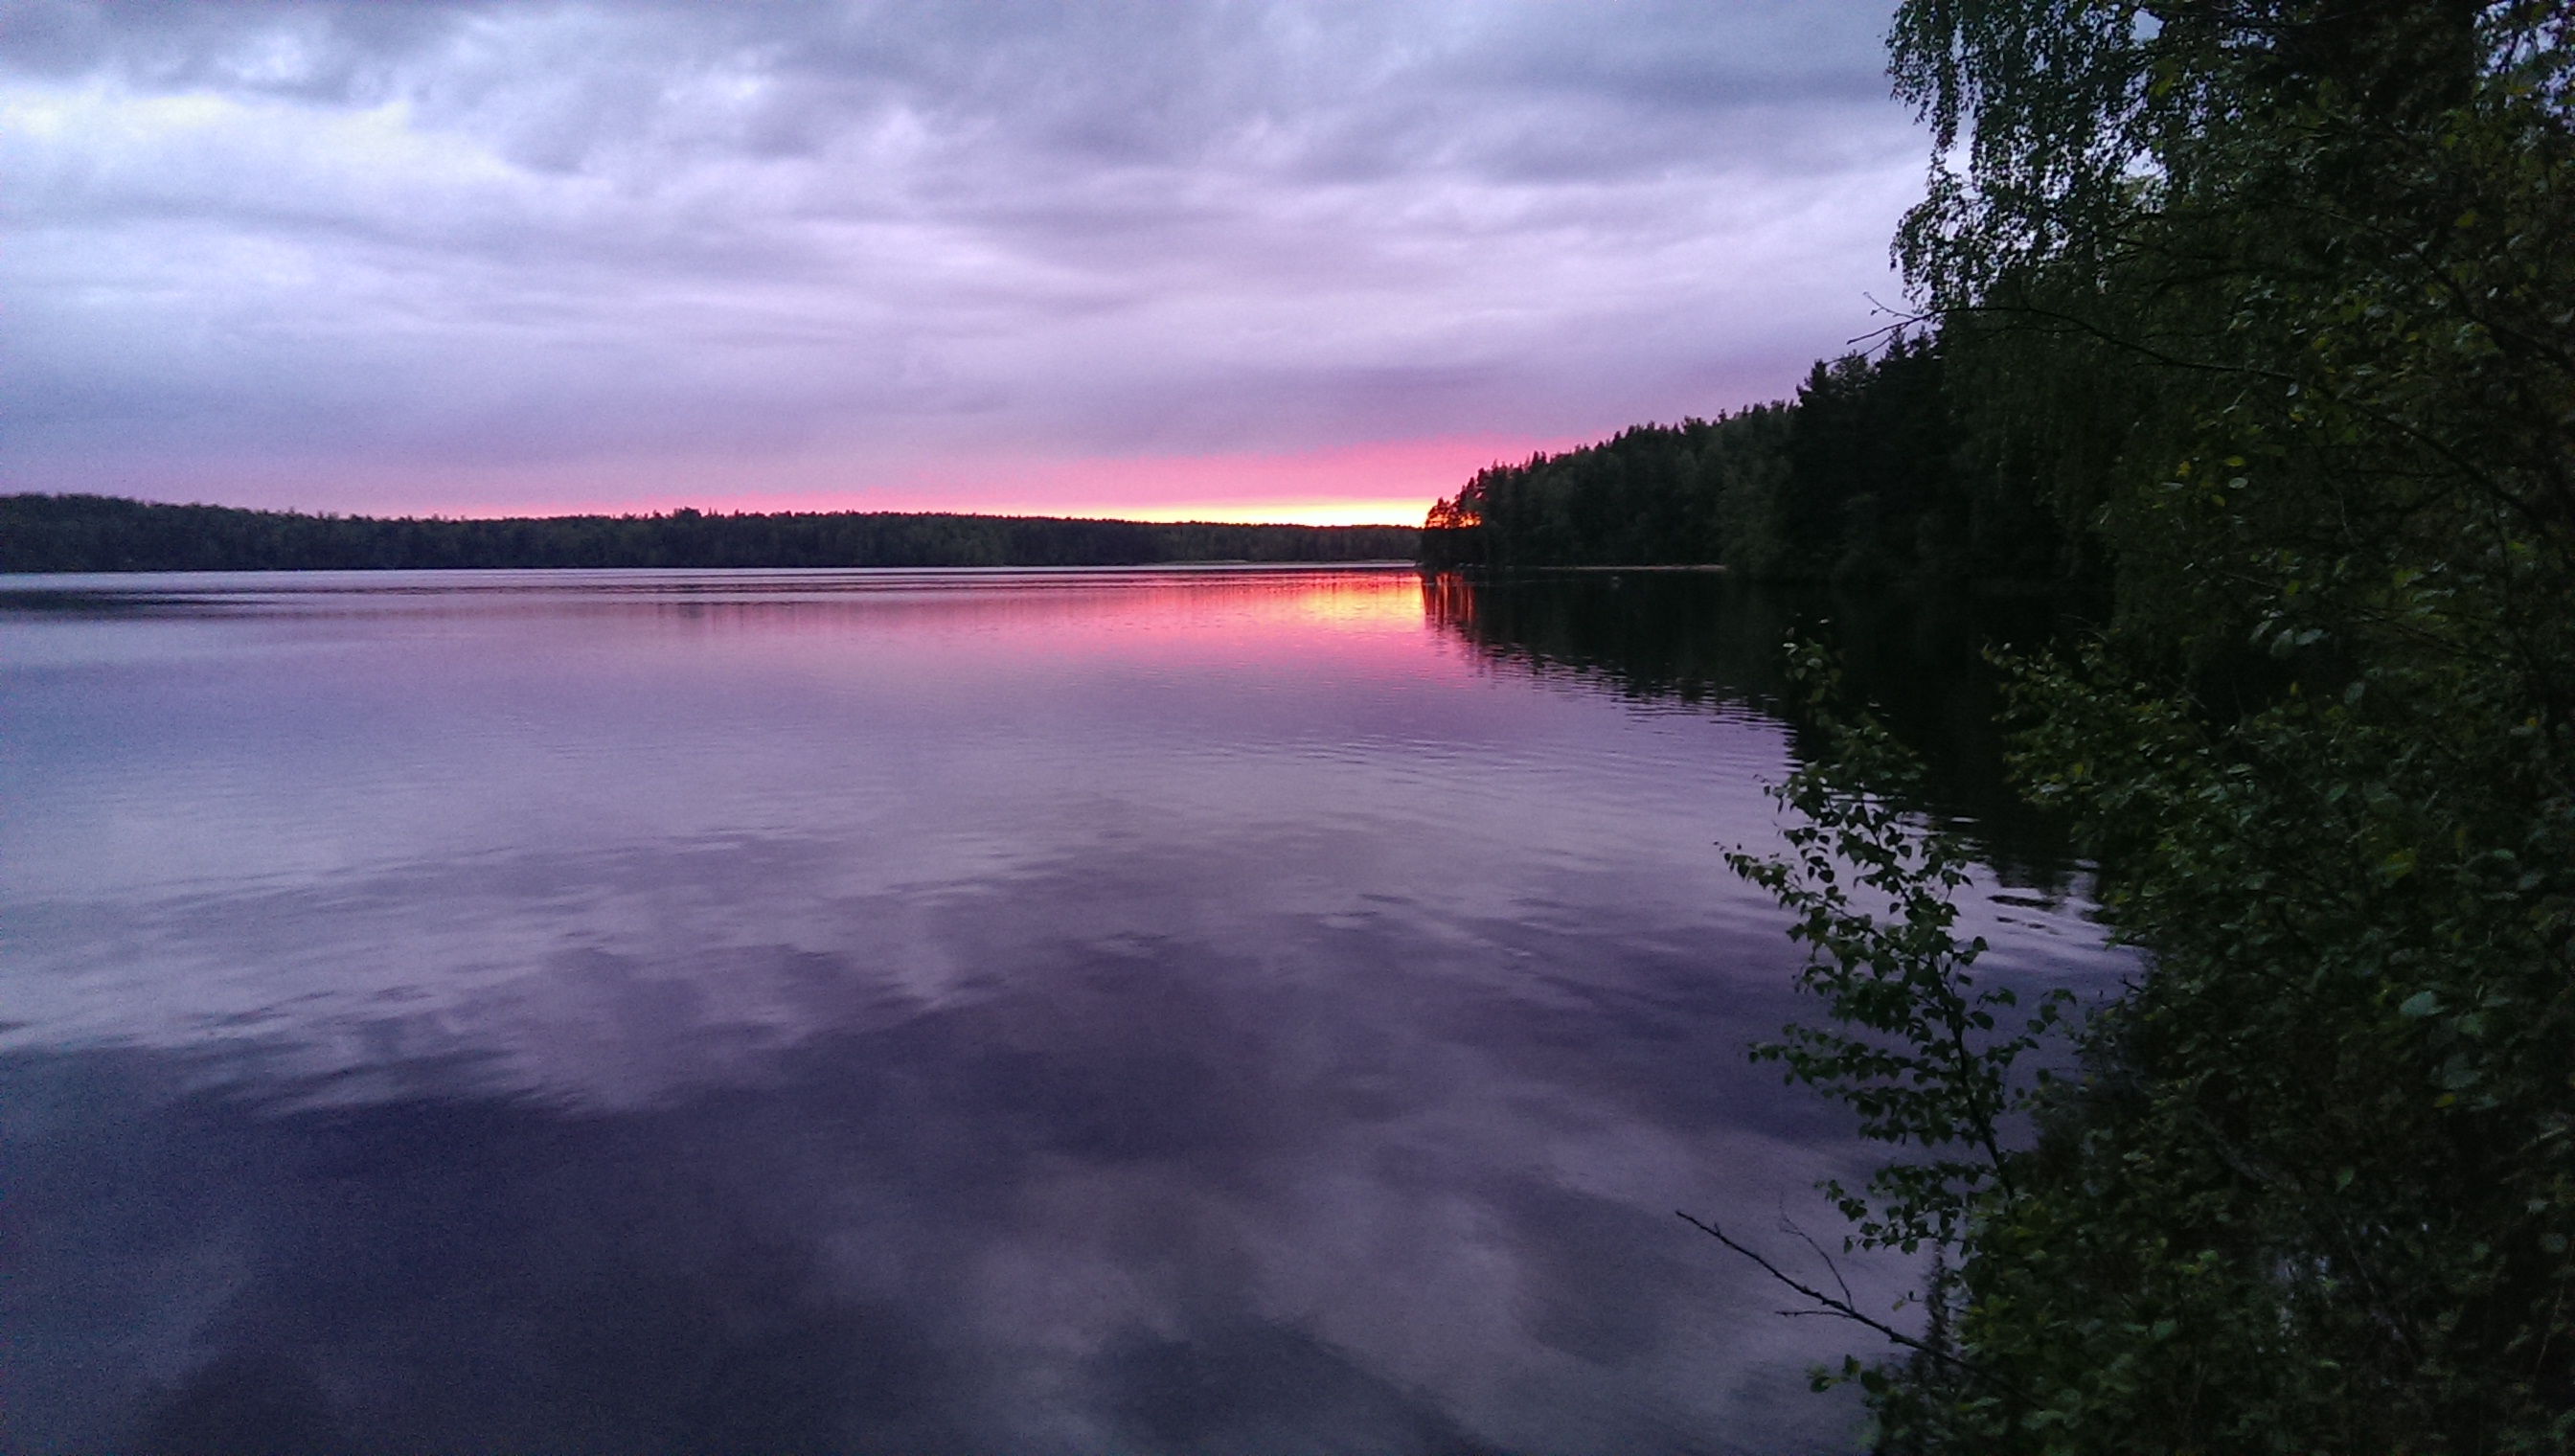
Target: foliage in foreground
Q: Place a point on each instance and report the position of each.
(2277, 293)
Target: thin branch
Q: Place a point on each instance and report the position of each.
(1788, 1225)
(1844, 1309)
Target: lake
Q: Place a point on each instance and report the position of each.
(1244, 1010)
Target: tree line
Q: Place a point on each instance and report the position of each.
(1869, 474)
(2269, 303)
(102, 534)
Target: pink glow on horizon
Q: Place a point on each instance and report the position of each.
(1297, 624)
(1383, 483)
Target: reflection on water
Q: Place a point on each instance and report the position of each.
(1695, 637)
(1000, 1011)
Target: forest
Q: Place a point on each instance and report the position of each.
(103, 533)
(2261, 313)
(1870, 473)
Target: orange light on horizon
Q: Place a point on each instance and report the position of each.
(1387, 483)
(1404, 511)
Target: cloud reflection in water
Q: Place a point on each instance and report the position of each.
(1159, 1012)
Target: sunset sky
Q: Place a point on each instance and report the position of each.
(1234, 260)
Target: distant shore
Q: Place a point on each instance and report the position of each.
(45, 534)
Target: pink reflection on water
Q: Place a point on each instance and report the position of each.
(1370, 622)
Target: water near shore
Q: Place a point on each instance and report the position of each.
(1189, 1010)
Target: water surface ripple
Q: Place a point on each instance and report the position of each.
(1089, 1011)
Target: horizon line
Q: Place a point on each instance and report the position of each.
(1148, 518)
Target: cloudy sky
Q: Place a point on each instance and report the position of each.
(1208, 258)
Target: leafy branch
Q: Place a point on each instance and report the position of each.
(1911, 1042)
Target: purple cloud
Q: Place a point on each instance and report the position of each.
(365, 256)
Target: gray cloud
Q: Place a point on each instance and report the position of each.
(350, 240)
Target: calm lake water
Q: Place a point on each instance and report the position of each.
(1107, 1012)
